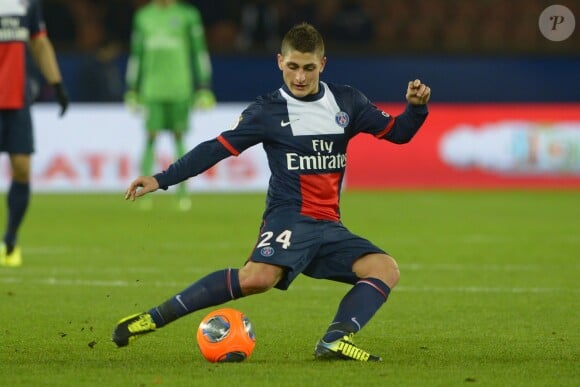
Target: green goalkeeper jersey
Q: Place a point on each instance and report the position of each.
(169, 57)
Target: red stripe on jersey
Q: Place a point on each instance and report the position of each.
(38, 34)
(229, 282)
(374, 286)
(12, 75)
(227, 145)
(387, 129)
(320, 196)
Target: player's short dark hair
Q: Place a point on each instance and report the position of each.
(303, 37)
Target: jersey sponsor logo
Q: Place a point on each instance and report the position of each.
(10, 30)
(267, 251)
(323, 159)
(342, 119)
(296, 162)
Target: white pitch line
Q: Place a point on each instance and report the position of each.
(52, 281)
(173, 246)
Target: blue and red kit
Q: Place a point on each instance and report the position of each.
(20, 21)
(305, 140)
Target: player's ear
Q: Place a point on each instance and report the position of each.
(280, 58)
(322, 63)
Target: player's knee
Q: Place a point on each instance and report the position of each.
(20, 168)
(20, 176)
(380, 266)
(393, 272)
(255, 284)
(258, 278)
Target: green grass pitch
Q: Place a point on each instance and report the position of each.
(488, 295)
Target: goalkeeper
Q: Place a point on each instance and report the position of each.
(168, 73)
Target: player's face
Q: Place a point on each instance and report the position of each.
(301, 71)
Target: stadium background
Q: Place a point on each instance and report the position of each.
(489, 289)
(505, 110)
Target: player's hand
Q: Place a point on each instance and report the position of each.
(61, 97)
(141, 186)
(132, 102)
(204, 99)
(418, 93)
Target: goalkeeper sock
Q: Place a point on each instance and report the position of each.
(180, 150)
(179, 146)
(357, 307)
(213, 289)
(17, 201)
(148, 157)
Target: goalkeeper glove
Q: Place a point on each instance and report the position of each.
(131, 99)
(204, 99)
(61, 97)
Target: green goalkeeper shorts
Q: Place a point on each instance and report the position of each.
(172, 116)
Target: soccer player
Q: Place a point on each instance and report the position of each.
(21, 23)
(168, 70)
(304, 127)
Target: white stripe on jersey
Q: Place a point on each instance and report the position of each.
(313, 117)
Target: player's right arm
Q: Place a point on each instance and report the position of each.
(247, 132)
(194, 162)
(140, 186)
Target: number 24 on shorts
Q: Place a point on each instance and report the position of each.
(282, 238)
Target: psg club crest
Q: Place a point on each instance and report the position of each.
(342, 119)
(267, 251)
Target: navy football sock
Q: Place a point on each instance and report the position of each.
(213, 289)
(357, 307)
(17, 200)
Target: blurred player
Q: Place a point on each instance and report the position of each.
(21, 22)
(168, 71)
(304, 127)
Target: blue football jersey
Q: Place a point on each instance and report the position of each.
(305, 140)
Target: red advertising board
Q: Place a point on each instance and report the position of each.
(475, 146)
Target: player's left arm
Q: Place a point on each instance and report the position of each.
(402, 128)
(418, 93)
(43, 53)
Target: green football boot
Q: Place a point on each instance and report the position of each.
(342, 349)
(132, 327)
(14, 259)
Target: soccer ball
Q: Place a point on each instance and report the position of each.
(225, 335)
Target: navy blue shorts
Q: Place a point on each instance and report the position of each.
(317, 248)
(16, 135)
